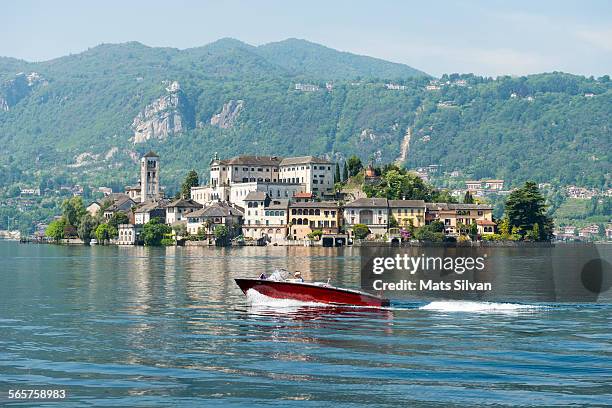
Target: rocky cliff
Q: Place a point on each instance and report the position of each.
(14, 90)
(228, 115)
(162, 117)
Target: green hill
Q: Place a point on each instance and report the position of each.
(86, 118)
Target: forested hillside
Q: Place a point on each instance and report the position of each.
(86, 118)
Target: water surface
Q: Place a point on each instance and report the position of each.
(132, 326)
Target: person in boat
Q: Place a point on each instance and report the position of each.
(298, 276)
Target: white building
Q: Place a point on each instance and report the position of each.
(265, 217)
(128, 234)
(149, 210)
(149, 177)
(208, 218)
(316, 174)
(232, 180)
(178, 209)
(373, 212)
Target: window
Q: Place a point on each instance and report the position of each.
(480, 212)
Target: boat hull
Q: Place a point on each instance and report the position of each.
(308, 292)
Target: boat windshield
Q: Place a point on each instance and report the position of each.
(279, 275)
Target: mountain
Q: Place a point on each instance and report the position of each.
(86, 118)
(304, 58)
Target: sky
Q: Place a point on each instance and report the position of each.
(482, 37)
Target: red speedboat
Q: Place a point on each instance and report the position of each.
(278, 286)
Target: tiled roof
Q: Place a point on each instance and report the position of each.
(216, 210)
(454, 206)
(302, 194)
(254, 160)
(185, 203)
(278, 204)
(315, 204)
(151, 154)
(369, 202)
(406, 203)
(288, 161)
(256, 196)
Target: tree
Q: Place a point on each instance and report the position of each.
(468, 198)
(221, 235)
(191, 180)
(104, 232)
(526, 207)
(73, 209)
(360, 231)
(393, 222)
(153, 232)
(354, 165)
(87, 228)
(180, 229)
(345, 174)
(337, 174)
(430, 233)
(118, 217)
(505, 228)
(316, 234)
(55, 229)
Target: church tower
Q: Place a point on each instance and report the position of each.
(149, 177)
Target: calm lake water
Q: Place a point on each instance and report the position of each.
(168, 327)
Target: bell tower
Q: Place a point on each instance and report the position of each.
(149, 177)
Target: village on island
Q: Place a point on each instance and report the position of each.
(270, 200)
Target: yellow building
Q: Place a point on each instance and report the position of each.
(306, 217)
(408, 211)
(451, 215)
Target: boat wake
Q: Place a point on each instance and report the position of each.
(257, 299)
(479, 307)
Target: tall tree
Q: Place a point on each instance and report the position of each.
(354, 165)
(55, 229)
(191, 180)
(345, 174)
(525, 207)
(337, 174)
(87, 228)
(153, 232)
(468, 198)
(73, 209)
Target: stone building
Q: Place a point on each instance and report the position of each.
(372, 212)
(306, 217)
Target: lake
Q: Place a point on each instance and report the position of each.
(134, 326)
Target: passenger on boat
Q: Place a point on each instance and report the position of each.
(298, 276)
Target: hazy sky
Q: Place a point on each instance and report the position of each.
(483, 37)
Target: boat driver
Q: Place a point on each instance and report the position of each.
(298, 276)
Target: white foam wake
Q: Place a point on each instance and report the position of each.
(478, 307)
(256, 298)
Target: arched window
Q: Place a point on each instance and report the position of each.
(299, 211)
(317, 212)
